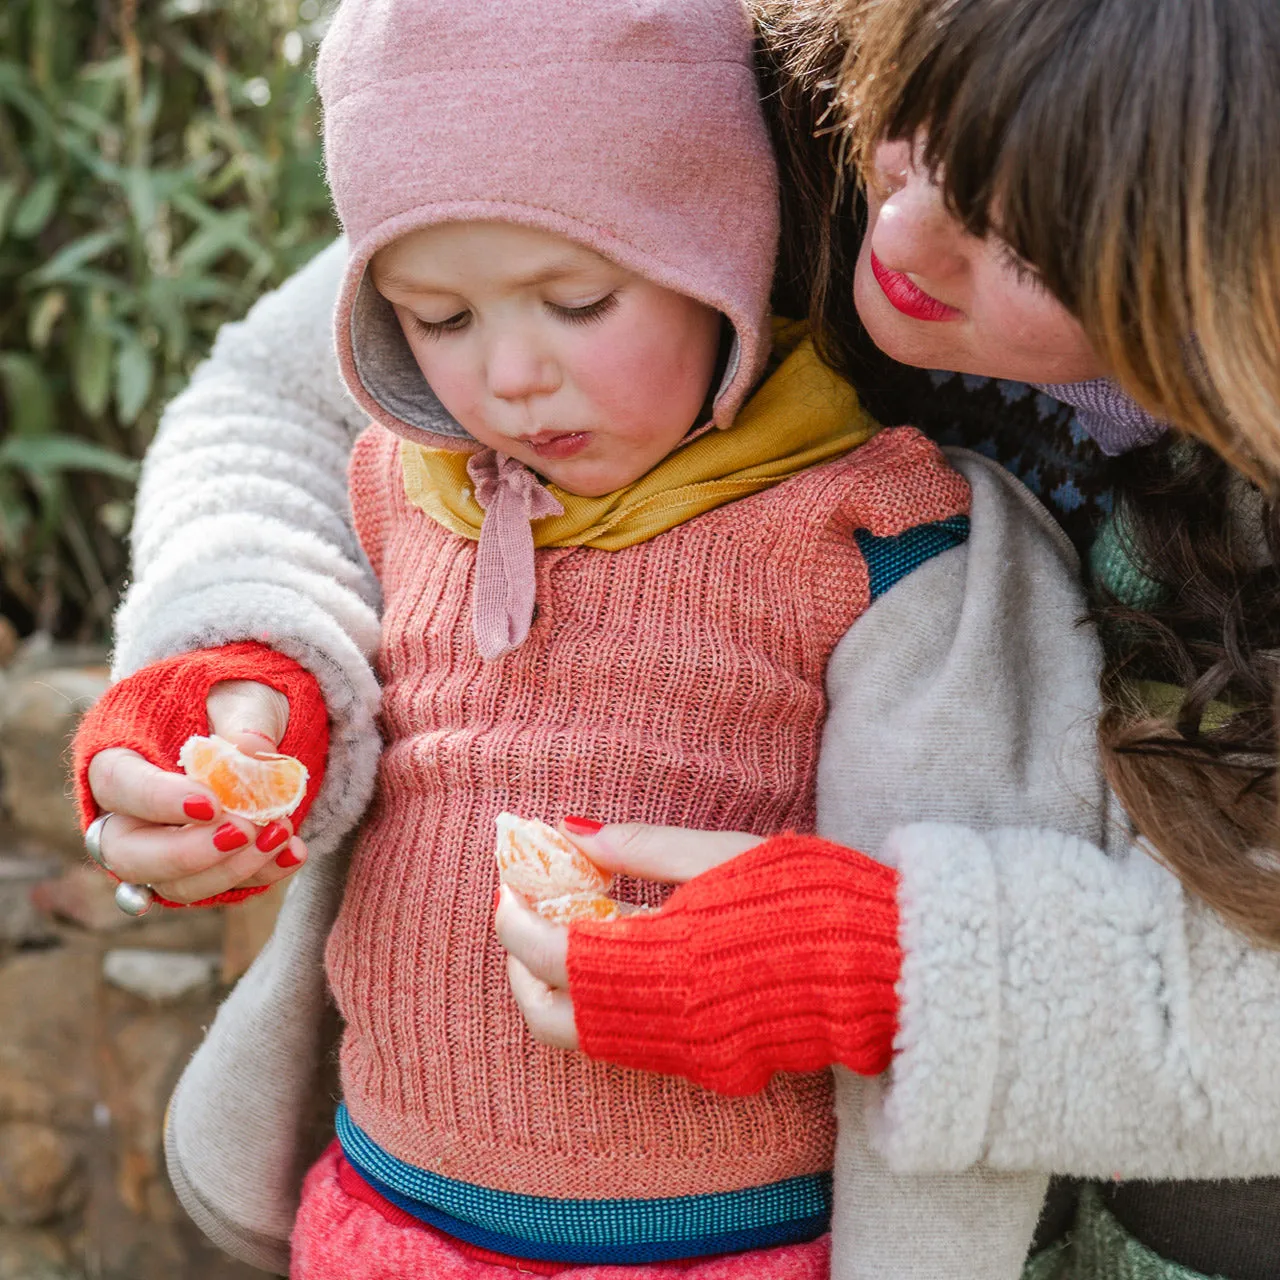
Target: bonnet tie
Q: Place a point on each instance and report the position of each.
(505, 584)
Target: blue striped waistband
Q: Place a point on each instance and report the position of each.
(594, 1231)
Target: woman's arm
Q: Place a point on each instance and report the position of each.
(243, 531)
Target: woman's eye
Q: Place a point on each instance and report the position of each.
(435, 328)
(1023, 272)
(585, 315)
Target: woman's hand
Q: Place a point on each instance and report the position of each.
(169, 832)
(537, 963)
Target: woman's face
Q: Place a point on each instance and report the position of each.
(931, 294)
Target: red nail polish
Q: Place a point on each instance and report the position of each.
(287, 859)
(198, 808)
(581, 826)
(497, 898)
(229, 837)
(272, 836)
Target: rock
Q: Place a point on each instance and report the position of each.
(85, 896)
(39, 714)
(159, 976)
(27, 1254)
(39, 1174)
(47, 1012)
(20, 920)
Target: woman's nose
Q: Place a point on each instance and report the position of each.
(519, 367)
(914, 231)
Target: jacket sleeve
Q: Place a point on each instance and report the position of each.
(243, 530)
(243, 533)
(966, 694)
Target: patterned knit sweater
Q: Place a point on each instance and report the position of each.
(678, 681)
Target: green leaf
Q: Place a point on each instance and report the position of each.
(44, 315)
(27, 393)
(47, 455)
(91, 358)
(134, 376)
(36, 207)
(8, 194)
(79, 252)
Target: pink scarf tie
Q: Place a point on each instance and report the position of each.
(505, 585)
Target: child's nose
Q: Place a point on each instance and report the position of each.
(914, 231)
(519, 368)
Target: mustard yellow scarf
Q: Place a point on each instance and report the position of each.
(801, 415)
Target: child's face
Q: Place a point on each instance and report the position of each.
(931, 294)
(547, 352)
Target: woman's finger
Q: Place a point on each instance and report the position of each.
(541, 948)
(124, 783)
(549, 1013)
(254, 716)
(146, 853)
(671, 855)
(228, 875)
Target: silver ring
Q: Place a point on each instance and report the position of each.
(132, 899)
(93, 839)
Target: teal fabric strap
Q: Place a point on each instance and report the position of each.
(604, 1222)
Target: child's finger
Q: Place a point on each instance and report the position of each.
(541, 948)
(548, 1013)
(124, 783)
(670, 855)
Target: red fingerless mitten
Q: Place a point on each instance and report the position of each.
(785, 958)
(155, 710)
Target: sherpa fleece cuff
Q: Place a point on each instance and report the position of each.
(155, 710)
(782, 959)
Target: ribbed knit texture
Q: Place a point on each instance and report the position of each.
(677, 681)
(782, 959)
(155, 710)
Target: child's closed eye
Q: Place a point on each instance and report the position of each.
(437, 328)
(592, 311)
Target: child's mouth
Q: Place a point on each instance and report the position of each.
(558, 444)
(907, 296)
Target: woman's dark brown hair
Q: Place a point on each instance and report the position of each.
(1129, 151)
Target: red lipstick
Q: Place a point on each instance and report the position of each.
(907, 296)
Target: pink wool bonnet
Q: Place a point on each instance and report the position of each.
(630, 126)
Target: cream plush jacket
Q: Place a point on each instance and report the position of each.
(1065, 1006)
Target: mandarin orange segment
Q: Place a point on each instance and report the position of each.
(539, 863)
(577, 906)
(256, 788)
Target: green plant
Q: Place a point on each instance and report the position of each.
(159, 168)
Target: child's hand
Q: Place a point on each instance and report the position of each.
(169, 832)
(537, 963)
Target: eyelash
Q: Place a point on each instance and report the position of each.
(1022, 273)
(589, 314)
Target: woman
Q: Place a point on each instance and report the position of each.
(265, 424)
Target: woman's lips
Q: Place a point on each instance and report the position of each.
(907, 296)
(559, 444)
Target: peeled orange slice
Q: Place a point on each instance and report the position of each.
(551, 873)
(256, 788)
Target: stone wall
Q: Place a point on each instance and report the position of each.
(98, 1014)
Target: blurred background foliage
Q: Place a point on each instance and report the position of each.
(159, 169)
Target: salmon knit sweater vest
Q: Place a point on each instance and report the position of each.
(678, 681)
